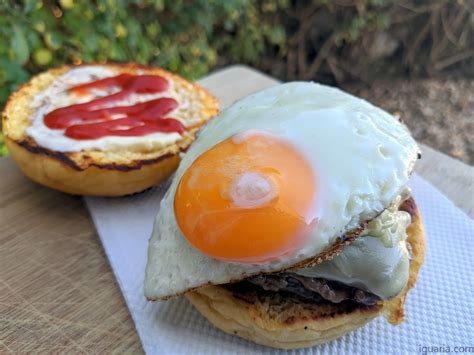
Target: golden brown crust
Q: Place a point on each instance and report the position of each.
(93, 181)
(290, 323)
(334, 249)
(96, 172)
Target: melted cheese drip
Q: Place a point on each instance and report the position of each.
(378, 261)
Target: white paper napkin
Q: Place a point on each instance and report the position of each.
(439, 310)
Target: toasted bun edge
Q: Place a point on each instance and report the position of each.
(308, 326)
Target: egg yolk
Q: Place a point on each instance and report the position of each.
(249, 199)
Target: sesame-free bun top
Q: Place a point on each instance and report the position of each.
(361, 157)
(108, 166)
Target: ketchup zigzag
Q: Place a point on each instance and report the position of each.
(91, 121)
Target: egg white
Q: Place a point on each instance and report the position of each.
(362, 157)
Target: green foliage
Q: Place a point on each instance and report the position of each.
(320, 40)
(3, 148)
(369, 16)
(183, 36)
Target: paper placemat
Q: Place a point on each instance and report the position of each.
(439, 310)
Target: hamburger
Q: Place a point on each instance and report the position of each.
(289, 221)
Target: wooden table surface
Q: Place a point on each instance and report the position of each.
(57, 291)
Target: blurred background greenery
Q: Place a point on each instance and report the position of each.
(335, 42)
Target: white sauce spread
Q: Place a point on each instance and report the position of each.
(56, 95)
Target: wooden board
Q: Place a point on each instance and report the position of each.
(57, 292)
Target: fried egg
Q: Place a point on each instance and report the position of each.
(273, 181)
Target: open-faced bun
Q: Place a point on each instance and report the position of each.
(101, 172)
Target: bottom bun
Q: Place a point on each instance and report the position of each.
(287, 322)
(113, 180)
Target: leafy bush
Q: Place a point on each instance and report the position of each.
(323, 40)
(182, 36)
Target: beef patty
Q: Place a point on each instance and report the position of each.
(312, 289)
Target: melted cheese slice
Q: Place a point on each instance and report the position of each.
(378, 262)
